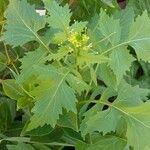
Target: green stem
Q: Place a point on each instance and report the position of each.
(33, 142)
(91, 81)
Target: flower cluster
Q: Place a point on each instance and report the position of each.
(78, 39)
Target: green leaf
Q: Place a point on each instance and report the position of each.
(78, 26)
(109, 28)
(102, 121)
(59, 16)
(41, 131)
(16, 92)
(61, 53)
(81, 146)
(3, 4)
(41, 147)
(103, 143)
(28, 61)
(120, 62)
(93, 75)
(23, 23)
(60, 19)
(89, 58)
(77, 83)
(3, 62)
(139, 37)
(126, 17)
(126, 96)
(51, 95)
(20, 146)
(12, 89)
(18, 139)
(68, 120)
(108, 143)
(105, 74)
(138, 124)
(5, 114)
(54, 136)
(107, 34)
(136, 115)
(140, 6)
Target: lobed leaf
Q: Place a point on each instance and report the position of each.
(23, 23)
(51, 95)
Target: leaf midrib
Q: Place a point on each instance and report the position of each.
(122, 111)
(35, 34)
(55, 93)
(126, 42)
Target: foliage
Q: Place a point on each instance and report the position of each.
(85, 9)
(140, 6)
(3, 5)
(80, 83)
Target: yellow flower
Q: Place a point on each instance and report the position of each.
(78, 39)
